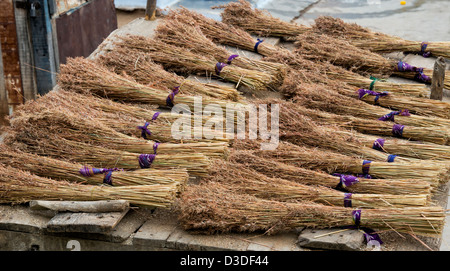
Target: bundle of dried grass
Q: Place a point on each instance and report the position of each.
(222, 33)
(86, 76)
(318, 97)
(406, 148)
(300, 175)
(159, 128)
(244, 180)
(73, 172)
(18, 186)
(432, 134)
(181, 60)
(331, 162)
(377, 42)
(180, 34)
(213, 208)
(141, 68)
(195, 163)
(323, 48)
(240, 14)
(59, 123)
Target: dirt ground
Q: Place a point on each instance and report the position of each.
(124, 17)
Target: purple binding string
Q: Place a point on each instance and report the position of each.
(405, 67)
(257, 44)
(155, 146)
(423, 47)
(145, 130)
(391, 158)
(365, 92)
(146, 160)
(378, 144)
(369, 234)
(366, 166)
(108, 178)
(345, 180)
(231, 59)
(171, 97)
(219, 67)
(347, 199)
(397, 130)
(89, 172)
(421, 77)
(155, 115)
(390, 116)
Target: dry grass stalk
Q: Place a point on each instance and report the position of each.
(86, 76)
(406, 148)
(56, 147)
(58, 122)
(18, 186)
(141, 68)
(63, 170)
(213, 208)
(181, 60)
(240, 14)
(431, 134)
(375, 41)
(222, 33)
(332, 162)
(318, 97)
(115, 118)
(304, 176)
(177, 33)
(239, 178)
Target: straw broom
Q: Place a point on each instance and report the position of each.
(406, 148)
(213, 208)
(141, 68)
(18, 186)
(375, 41)
(181, 60)
(434, 134)
(274, 169)
(195, 163)
(180, 34)
(85, 76)
(158, 128)
(331, 162)
(240, 14)
(320, 47)
(62, 170)
(318, 97)
(244, 180)
(57, 122)
(222, 33)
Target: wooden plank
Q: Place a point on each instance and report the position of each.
(85, 222)
(437, 82)
(150, 10)
(101, 206)
(4, 110)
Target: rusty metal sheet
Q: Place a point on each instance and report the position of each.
(80, 31)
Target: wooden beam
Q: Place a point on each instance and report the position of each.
(4, 109)
(437, 81)
(101, 206)
(150, 11)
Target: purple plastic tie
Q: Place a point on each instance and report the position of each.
(366, 166)
(171, 97)
(155, 115)
(257, 44)
(391, 158)
(405, 67)
(378, 144)
(89, 172)
(108, 178)
(422, 77)
(145, 130)
(390, 116)
(219, 67)
(365, 92)
(369, 234)
(423, 47)
(346, 180)
(347, 199)
(146, 160)
(155, 146)
(397, 130)
(231, 59)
